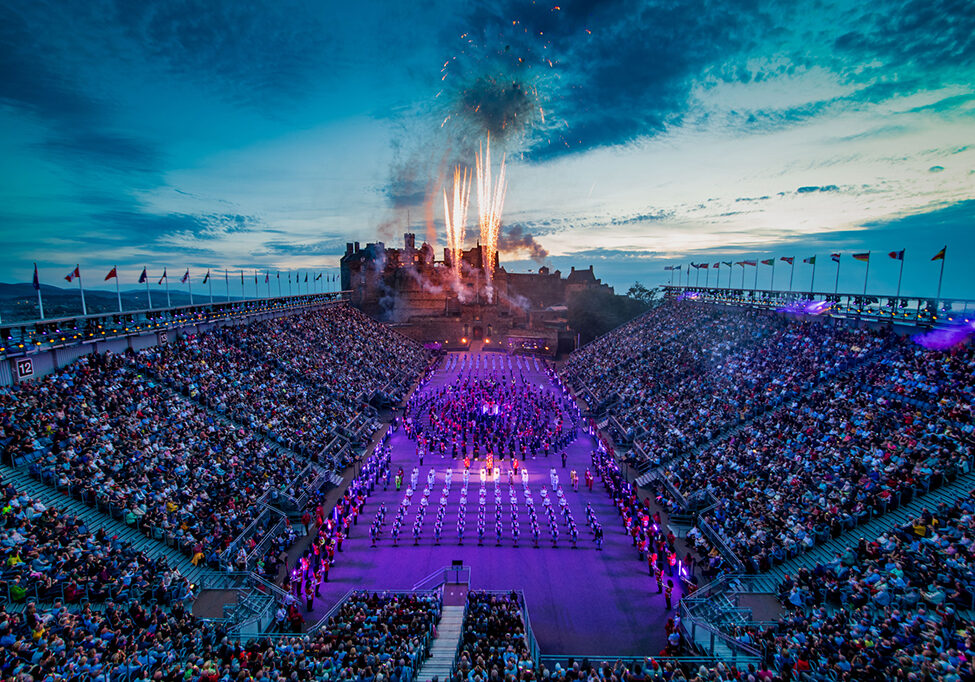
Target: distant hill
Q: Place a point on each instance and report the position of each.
(18, 302)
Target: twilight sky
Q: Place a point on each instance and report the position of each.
(219, 134)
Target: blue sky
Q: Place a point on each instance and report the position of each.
(219, 134)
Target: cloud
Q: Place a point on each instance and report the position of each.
(331, 246)
(817, 188)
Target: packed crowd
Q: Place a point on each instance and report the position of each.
(372, 636)
(885, 608)
(942, 379)
(685, 372)
(106, 434)
(493, 644)
(305, 381)
(49, 555)
(819, 466)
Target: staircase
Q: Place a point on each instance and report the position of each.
(22, 481)
(441, 660)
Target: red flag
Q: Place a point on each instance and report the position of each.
(74, 273)
(897, 255)
(113, 273)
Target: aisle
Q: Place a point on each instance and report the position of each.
(581, 600)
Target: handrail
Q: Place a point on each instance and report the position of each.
(461, 576)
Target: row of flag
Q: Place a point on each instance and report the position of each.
(811, 260)
(835, 257)
(144, 278)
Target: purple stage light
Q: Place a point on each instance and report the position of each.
(810, 307)
(942, 339)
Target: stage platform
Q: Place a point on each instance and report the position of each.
(581, 601)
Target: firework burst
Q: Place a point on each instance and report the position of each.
(490, 201)
(455, 215)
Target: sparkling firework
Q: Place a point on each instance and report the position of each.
(455, 215)
(490, 201)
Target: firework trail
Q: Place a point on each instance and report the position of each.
(490, 202)
(455, 216)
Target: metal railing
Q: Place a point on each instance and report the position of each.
(448, 575)
(20, 338)
(911, 310)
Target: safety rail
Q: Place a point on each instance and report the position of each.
(719, 542)
(911, 310)
(448, 575)
(30, 336)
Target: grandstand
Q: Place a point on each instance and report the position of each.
(717, 489)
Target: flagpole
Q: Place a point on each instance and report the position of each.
(707, 277)
(40, 301)
(836, 287)
(243, 294)
(81, 288)
(169, 304)
(189, 284)
(937, 302)
(226, 280)
(289, 283)
(210, 282)
(279, 283)
(897, 305)
(771, 281)
(865, 275)
(812, 282)
(117, 292)
(792, 272)
(145, 268)
(755, 285)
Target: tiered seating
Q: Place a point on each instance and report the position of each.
(899, 592)
(300, 380)
(371, 635)
(938, 379)
(819, 466)
(493, 644)
(50, 555)
(102, 433)
(686, 372)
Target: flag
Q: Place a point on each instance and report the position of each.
(241, 278)
(835, 257)
(279, 274)
(897, 255)
(668, 267)
(319, 277)
(186, 277)
(206, 277)
(941, 254)
(74, 273)
(266, 277)
(768, 261)
(788, 259)
(37, 282)
(716, 265)
(728, 263)
(255, 277)
(111, 273)
(164, 277)
(740, 262)
(862, 256)
(750, 262)
(289, 277)
(306, 277)
(144, 276)
(811, 260)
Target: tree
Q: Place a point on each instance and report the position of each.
(638, 292)
(594, 312)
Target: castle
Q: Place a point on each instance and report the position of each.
(425, 299)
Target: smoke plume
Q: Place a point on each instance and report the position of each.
(514, 239)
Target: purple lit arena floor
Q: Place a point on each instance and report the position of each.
(580, 601)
